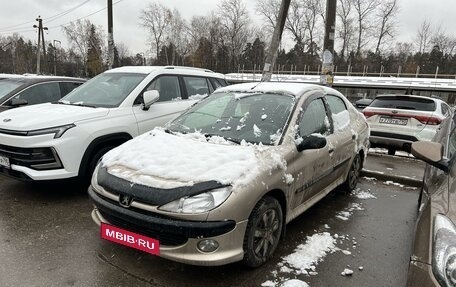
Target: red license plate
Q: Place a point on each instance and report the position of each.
(130, 239)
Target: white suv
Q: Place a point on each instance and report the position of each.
(65, 139)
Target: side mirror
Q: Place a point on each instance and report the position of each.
(431, 153)
(150, 97)
(312, 142)
(18, 102)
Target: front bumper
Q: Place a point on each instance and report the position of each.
(178, 238)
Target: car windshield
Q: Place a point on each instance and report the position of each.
(107, 90)
(255, 118)
(405, 103)
(6, 86)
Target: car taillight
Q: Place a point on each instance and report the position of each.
(433, 121)
(368, 114)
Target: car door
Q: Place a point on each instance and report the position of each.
(343, 137)
(168, 106)
(312, 168)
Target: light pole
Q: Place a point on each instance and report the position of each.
(55, 55)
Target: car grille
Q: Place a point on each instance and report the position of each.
(165, 238)
(35, 158)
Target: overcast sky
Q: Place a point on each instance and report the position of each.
(19, 16)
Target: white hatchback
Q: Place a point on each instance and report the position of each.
(396, 121)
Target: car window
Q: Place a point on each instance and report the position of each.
(168, 88)
(314, 119)
(196, 86)
(404, 102)
(40, 93)
(211, 88)
(445, 110)
(7, 86)
(66, 87)
(216, 83)
(336, 104)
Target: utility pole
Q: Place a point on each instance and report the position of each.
(326, 76)
(55, 56)
(40, 38)
(110, 37)
(275, 41)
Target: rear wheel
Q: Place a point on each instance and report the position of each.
(391, 151)
(353, 174)
(263, 232)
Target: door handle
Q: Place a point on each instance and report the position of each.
(353, 137)
(331, 150)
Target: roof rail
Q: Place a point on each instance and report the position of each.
(189, 68)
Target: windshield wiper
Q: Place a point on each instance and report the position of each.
(75, 104)
(207, 135)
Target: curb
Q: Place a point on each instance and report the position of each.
(396, 178)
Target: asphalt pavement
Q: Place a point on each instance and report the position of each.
(47, 238)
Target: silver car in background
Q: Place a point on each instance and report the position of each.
(396, 121)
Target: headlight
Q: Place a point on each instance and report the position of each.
(444, 251)
(57, 131)
(202, 202)
(94, 180)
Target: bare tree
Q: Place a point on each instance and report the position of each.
(386, 15)
(156, 19)
(444, 42)
(364, 10)
(78, 34)
(312, 11)
(176, 34)
(423, 36)
(269, 11)
(235, 22)
(346, 31)
(295, 22)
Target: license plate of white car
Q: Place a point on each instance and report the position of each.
(393, 121)
(4, 161)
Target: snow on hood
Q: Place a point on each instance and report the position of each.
(164, 160)
(47, 115)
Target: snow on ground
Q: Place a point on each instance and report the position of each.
(347, 272)
(389, 182)
(385, 151)
(362, 194)
(286, 283)
(307, 255)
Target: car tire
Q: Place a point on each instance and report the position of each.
(391, 151)
(263, 232)
(94, 161)
(353, 174)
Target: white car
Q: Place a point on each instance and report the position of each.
(396, 121)
(65, 139)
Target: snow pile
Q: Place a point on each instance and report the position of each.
(182, 159)
(341, 120)
(307, 255)
(362, 194)
(286, 283)
(389, 182)
(197, 97)
(347, 272)
(343, 215)
(166, 160)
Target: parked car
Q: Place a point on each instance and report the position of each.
(396, 121)
(31, 90)
(434, 253)
(66, 138)
(362, 103)
(221, 181)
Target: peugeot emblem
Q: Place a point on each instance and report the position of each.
(7, 120)
(125, 200)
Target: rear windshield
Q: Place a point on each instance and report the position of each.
(405, 103)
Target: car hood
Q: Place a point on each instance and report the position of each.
(47, 115)
(162, 160)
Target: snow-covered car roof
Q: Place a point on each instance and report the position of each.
(295, 89)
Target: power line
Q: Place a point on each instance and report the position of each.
(49, 19)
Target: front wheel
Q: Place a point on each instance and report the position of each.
(263, 232)
(353, 174)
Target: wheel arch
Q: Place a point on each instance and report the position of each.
(114, 139)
